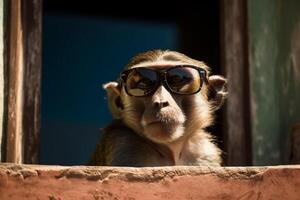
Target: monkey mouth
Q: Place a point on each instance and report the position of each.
(162, 122)
(154, 122)
(165, 119)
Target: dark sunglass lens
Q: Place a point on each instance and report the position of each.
(183, 80)
(141, 82)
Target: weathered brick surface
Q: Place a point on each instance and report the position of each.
(97, 183)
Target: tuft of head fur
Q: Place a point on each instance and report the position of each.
(164, 55)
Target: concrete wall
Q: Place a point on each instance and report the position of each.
(22, 182)
(274, 48)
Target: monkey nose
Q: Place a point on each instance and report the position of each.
(161, 104)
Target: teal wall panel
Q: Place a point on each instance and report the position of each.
(274, 38)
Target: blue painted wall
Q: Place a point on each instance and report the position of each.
(79, 55)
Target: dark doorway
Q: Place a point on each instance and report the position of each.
(86, 45)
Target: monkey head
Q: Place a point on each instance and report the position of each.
(165, 96)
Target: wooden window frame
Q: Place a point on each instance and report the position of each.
(235, 63)
(23, 48)
(23, 33)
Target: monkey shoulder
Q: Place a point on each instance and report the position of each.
(121, 146)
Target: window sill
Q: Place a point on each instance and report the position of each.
(88, 182)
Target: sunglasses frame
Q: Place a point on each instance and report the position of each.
(162, 80)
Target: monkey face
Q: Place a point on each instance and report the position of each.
(163, 112)
(164, 115)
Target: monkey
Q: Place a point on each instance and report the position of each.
(162, 104)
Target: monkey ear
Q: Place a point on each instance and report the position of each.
(113, 90)
(217, 91)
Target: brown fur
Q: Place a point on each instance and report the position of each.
(179, 137)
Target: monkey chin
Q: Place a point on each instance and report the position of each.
(164, 133)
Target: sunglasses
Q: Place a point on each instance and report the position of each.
(181, 79)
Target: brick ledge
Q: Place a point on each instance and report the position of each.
(97, 183)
